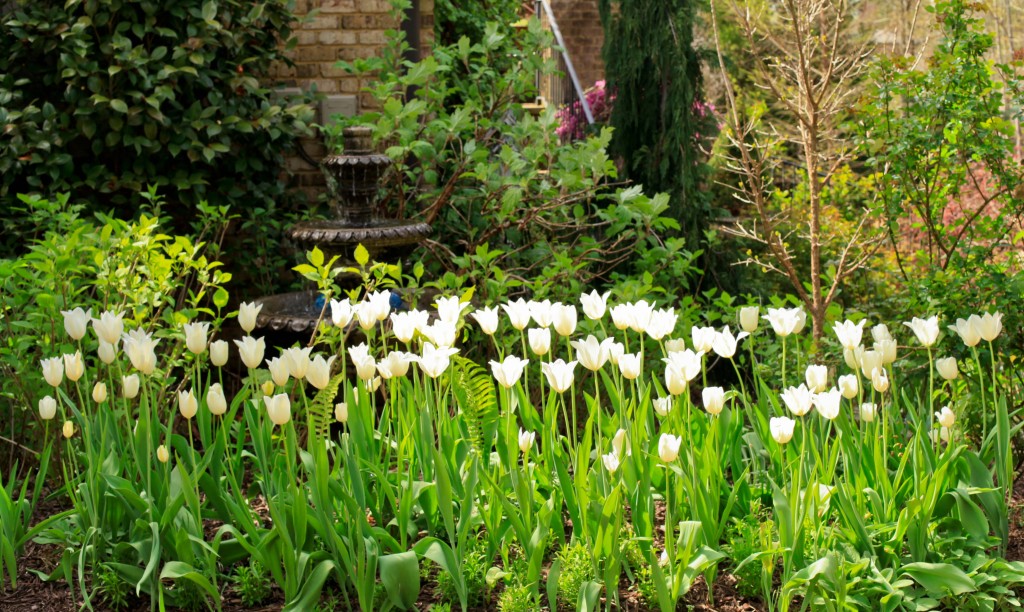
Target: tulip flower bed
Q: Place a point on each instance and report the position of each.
(590, 463)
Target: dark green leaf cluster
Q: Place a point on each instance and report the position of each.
(102, 98)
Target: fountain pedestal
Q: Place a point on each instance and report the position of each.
(354, 184)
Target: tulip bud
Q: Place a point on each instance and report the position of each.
(629, 365)
(668, 447)
(817, 378)
(215, 400)
(947, 368)
(99, 393)
(848, 386)
(68, 430)
(47, 408)
(74, 366)
(247, 313)
(662, 406)
(781, 429)
(267, 387)
(76, 322)
(107, 352)
(196, 336)
(620, 444)
(540, 340)
(162, 454)
(564, 319)
(749, 318)
(130, 386)
(219, 352)
(946, 417)
(279, 408)
(867, 412)
(942, 433)
(611, 462)
(880, 380)
(341, 412)
(526, 439)
(53, 371)
(278, 367)
(675, 345)
(714, 399)
(187, 404)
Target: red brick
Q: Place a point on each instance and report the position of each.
(337, 6)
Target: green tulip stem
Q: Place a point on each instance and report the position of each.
(784, 362)
(981, 387)
(931, 386)
(995, 380)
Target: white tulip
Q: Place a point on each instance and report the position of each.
(542, 312)
(518, 313)
(47, 408)
(279, 408)
(968, 330)
(946, 417)
(435, 360)
(540, 340)
(76, 322)
(130, 386)
(187, 404)
(630, 366)
(749, 317)
(990, 325)
(395, 365)
(703, 338)
(487, 319)
(947, 368)
(817, 378)
(724, 343)
(196, 336)
(668, 447)
(341, 412)
(219, 352)
(251, 350)
(926, 330)
(215, 400)
(662, 406)
(509, 371)
(594, 305)
(140, 347)
(99, 392)
(714, 399)
(278, 367)
(880, 380)
(827, 404)
(365, 364)
(341, 312)
(849, 333)
(591, 353)
(799, 400)
(868, 411)
(109, 326)
(565, 319)
(74, 366)
(247, 313)
(449, 309)
(53, 371)
(781, 429)
(319, 372)
(849, 386)
(559, 374)
(662, 323)
(526, 440)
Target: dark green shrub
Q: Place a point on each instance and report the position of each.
(101, 98)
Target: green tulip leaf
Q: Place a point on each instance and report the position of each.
(400, 575)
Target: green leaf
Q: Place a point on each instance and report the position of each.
(316, 257)
(119, 105)
(400, 575)
(220, 297)
(209, 10)
(175, 570)
(362, 256)
(940, 579)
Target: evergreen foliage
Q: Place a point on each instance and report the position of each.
(654, 71)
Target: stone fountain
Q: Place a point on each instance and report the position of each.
(353, 181)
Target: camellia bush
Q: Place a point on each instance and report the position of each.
(588, 460)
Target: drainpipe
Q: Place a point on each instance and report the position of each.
(411, 27)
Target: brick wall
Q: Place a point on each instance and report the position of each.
(580, 23)
(332, 30)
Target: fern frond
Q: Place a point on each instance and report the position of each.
(321, 411)
(474, 391)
